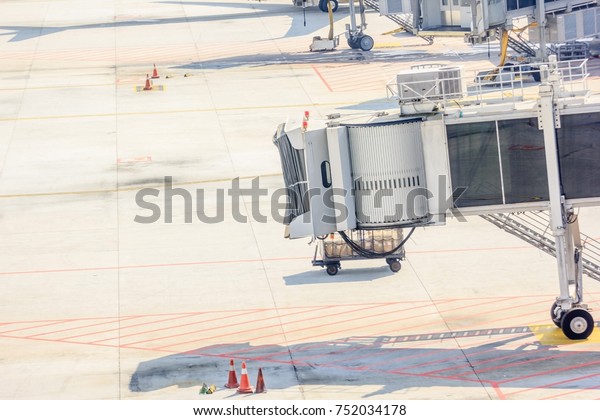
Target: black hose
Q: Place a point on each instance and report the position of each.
(372, 254)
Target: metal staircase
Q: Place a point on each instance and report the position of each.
(534, 228)
(519, 44)
(402, 21)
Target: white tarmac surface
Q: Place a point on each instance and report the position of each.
(94, 305)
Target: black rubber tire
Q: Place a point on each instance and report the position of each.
(353, 43)
(557, 323)
(395, 266)
(323, 5)
(366, 43)
(577, 324)
(332, 270)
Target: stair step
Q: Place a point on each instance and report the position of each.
(533, 228)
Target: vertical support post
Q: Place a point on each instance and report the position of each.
(557, 214)
(361, 10)
(540, 10)
(352, 18)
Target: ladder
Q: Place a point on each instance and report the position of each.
(534, 228)
(519, 44)
(402, 20)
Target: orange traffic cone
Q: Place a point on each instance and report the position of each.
(148, 85)
(155, 73)
(232, 381)
(245, 387)
(260, 383)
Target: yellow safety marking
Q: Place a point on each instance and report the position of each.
(442, 34)
(388, 45)
(393, 31)
(177, 111)
(550, 335)
(133, 188)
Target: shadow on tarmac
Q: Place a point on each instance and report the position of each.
(512, 357)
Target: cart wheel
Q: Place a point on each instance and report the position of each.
(332, 270)
(395, 266)
(577, 324)
(557, 323)
(366, 43)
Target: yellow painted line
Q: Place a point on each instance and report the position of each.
(133, 188)
(550, 335)
(174, 111)
(388, 45)
(393, 31)
(449, 34)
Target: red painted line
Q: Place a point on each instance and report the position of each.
(525, 362)
(313, 346)
(567, 381)
(354, 328)
(548, 372)
(48, 340)
(435, 322)
(79, 327)
(192, 263)
(131, 267)
(237, 313)
(448, 359)
(218, 327)
(272, 326)
(438, 361)
(129, 326)
(489, 361)
(36, 326)
(499, 392)
(322, 78)
(447, 310)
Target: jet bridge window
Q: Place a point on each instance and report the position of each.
(579, 151)
(523, 157)
(474, 163)
(497, 162)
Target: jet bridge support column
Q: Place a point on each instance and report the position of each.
(567, 312)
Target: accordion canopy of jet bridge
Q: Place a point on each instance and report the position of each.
(395, 171)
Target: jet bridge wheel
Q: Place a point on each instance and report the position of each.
(353, 42)
(552, 316)
(366, 43)
(577, 324)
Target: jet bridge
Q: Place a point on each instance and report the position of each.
(456, 148)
